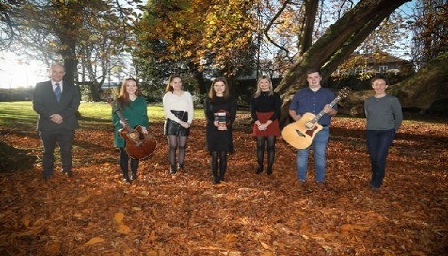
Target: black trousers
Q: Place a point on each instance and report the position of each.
(50, 139)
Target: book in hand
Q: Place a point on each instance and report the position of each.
(221, 119)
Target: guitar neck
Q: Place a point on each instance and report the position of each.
(321, 113)
(123, 119)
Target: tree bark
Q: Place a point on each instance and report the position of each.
(335, 45)
(306, 38)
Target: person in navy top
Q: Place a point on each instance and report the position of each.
(313, 99)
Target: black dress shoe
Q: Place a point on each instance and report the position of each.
(173, 169)
(259, 170)
(269, 171)
(216, 180)
(134, 176)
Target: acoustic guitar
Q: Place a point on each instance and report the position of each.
(138, 144)
(300, 134)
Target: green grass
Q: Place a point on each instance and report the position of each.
(21, 113)
(17, 114)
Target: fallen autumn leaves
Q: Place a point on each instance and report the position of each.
(93, 213)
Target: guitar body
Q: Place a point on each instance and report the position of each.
(301, 133)
(138, 144)
(298, 135)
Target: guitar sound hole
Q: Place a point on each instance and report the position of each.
(300, 134)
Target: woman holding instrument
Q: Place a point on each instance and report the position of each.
(133, 108)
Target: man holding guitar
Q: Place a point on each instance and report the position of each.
(311, 101)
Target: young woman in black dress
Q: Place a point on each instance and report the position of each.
(220, 111)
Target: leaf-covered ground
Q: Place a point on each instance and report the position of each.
(94, 213)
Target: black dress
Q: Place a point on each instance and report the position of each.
(219, 140)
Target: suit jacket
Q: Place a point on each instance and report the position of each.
(46, 104)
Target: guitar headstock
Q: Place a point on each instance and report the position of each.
(344, 92)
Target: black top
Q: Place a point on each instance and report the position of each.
(266, 103)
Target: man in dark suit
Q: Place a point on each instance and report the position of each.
(56, 103)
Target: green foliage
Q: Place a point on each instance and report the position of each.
(87, 32)
(430, 30)
(173, 38)
(19, 94)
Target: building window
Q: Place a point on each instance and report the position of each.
(360, 70)
(382, 69)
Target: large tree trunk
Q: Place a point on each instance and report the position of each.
(335, 45)
(423, 91)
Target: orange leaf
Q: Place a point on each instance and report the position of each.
(124, 229)
(94, 240)
(119, 216)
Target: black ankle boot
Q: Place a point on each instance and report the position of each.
(215, 175)
(221, 175)
(173, 169)
(126, 178)
(259, 170)
(134, 175)
(269, 171)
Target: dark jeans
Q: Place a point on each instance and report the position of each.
(63, 138)
(378, 143)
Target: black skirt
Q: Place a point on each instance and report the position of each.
(174, 128)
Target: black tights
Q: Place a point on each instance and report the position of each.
(219, 165)
(175, 142)
(124, 164)
(260, 152)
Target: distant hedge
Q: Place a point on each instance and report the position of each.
(18, 94)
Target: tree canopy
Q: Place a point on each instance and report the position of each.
(89, 32)
(205, 39)
(194, 36)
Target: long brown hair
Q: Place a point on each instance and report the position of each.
(212, 93)
(123, 98)
(169, 87)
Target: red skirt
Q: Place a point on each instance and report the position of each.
(272, 130)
